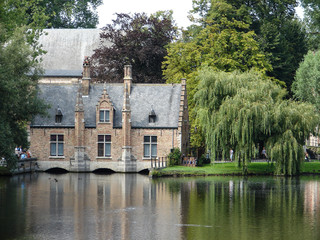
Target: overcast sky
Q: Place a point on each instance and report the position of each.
(180, 9)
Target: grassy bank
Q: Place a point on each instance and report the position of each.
(259, 168)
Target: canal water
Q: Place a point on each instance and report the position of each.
(133, 206)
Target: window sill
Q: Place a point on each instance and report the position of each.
(101, 158)
(149, 158)
(57, 157)
(104, 122)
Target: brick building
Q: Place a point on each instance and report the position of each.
(119, 126)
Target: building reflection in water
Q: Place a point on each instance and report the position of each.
(132, 206)
(312, 199)
(117, 206)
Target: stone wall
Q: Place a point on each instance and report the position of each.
(59, 80)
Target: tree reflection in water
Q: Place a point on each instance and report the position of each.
(132, 206)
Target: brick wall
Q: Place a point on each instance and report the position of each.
(40, 142)
(165, 137)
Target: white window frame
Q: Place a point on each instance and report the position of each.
(57, 142)
(149, 145)
(104, 142)
(104, 120)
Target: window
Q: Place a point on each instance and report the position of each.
(150, 146)
(59, 115)
(56, 145)
(152, 116)
(104, 145)
(58, 118)
(313, 141)
(104, 116)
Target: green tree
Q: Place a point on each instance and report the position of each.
(312, 22)
(49, 14)
(240, 110)
(20, 13)
(280, 34)
(222, 42)
(138, 40)
(307, 80)
(19, 72)
(72, 13)
(20, 27)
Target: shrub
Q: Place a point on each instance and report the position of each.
(203, 160)
(174, 157)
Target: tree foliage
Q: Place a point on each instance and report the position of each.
(19, 72)
(280, 35)
(312, 22)
(223, 42)
(307, 80)
(240, 110)
(72, 13)
(20, 13)
(138, 40)
(49, 14)
(20, 26)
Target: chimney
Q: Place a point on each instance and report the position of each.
(126, 99)
(127, 80)
(126, 126)
(86, 77)
(183, 124)
(79, 120)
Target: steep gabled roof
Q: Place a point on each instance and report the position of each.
(163, 98)
(66, 49)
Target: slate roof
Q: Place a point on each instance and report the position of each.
(164, 99)
(66, 50)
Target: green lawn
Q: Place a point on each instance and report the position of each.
(230, 169)
(311, 167)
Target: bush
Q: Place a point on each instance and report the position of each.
(203, 160)
(155, 173)
(174, 157)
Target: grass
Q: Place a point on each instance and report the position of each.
(257, 168)
(311, 167)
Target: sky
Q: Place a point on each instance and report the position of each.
(180, 9)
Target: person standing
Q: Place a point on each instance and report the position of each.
(16, 151)
(20, 151)
(231, 154)
(264, 153)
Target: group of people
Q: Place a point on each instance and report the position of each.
(22, 153)
(263, 153)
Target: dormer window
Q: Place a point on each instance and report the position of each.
(152, 116)
(59, 115)
(104, 116)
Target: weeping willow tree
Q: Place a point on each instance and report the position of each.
(239, 110)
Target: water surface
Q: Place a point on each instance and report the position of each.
(132, 206)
